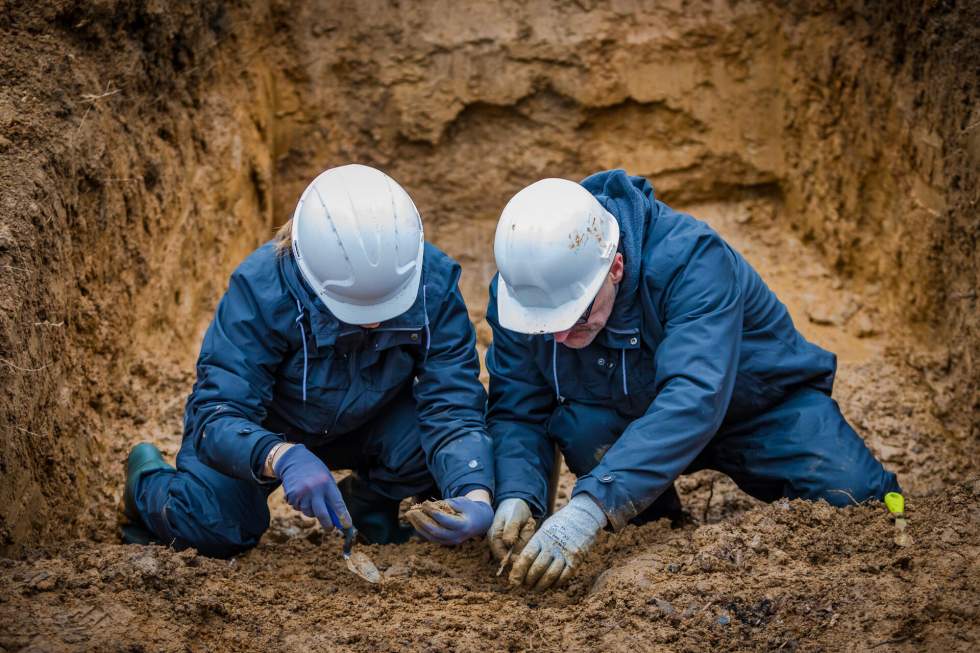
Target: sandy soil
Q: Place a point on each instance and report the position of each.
(146, 148)
(790, 576)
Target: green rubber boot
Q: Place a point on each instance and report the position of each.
(143, 458)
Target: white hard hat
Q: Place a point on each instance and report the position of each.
(554, 245)
(357, 239)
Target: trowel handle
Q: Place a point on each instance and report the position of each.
(349, 535)
(553, 481)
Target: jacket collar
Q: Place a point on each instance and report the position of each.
(325, 326)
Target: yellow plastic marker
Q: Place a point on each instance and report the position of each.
(895, 503)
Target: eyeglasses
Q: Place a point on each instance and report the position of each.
(588, 311)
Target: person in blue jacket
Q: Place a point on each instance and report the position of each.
(641, 343)
(342, 344)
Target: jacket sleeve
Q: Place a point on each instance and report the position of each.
(235, 379)
(451, 400)
(695, 368)
(521, 402)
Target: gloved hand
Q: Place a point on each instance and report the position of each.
(551, 556)
(508, 532)
(310, 487)
(472, 519)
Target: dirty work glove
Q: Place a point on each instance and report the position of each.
(472, 518)
(507, 533)
(310, 487)
(551, 556)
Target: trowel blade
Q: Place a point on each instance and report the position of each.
(359, 563)
(363, 566)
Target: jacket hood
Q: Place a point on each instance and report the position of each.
(631, 201)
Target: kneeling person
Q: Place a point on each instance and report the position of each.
(642, 344)
(344, 343)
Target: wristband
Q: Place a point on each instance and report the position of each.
(269, 469)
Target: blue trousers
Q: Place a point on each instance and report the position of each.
(800, 448)
(198, 506)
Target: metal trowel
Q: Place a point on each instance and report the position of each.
(359, 563)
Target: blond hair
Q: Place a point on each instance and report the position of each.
(284, 238)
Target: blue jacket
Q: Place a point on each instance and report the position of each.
(695, 337)
(275, 364)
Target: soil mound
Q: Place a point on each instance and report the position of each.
(789, 576)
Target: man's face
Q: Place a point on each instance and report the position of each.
(582, 335)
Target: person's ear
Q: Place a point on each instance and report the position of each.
(616, 269)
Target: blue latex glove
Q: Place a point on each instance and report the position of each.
(551, 556)
(473, 519)
(310, 487)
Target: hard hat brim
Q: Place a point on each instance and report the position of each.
(381, 311)
(537, 320)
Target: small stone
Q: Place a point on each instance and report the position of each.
(888, 453)
(778, 556)
(147, 565)
(398, 570)
(863, 326)
(836, 314)
(822, 315)
(723, 620)
(44, 582)
(742, 215)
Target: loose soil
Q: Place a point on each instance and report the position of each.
(420, 514)
(146, 148)
(429, 506)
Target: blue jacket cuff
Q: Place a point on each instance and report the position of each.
(611, 495)
(465, 461)
(259, 454)
(479, 477)
(462, 491)
(236, 447)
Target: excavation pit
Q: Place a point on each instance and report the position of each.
(146, 149)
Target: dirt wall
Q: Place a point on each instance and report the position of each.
(883, 147)
(147, 148)
(134, 177)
